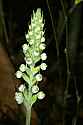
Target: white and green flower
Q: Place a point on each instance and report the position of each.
(27, 36)
(28, 60)
(41, 95)
(21, 88)
(19, 97)
(42, 46)
(38, 77)
(43, 56)
(42, 39)
(36, 53)
(43, 66)
(22, 68)
(25, 47)
(33, 52)
(18, 74)
(35, 89)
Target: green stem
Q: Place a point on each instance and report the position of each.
(28, 115)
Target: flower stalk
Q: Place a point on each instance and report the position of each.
(35, 58)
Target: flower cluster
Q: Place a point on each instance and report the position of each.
(33, 51)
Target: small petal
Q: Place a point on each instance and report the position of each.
(41, 95)
(19, 97)
(43, 66)
(42, 39)
(21, 88)
(39, 77)
(35, 89)
(22, 68)
(18, 74)
(43, 56)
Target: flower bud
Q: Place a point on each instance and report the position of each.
(37, 29)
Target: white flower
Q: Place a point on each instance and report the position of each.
(43, 66)
(28, 60)
(42, 46)
(36, 53)
(25, 47)
(42, 39)
(19, 97)
(39, 77)
(21, 88)
(29, 27)
(43, 56)
(35, 89)
(18, 74)
(42, 25)
(27, 36)
(22, 68)
(31, 42)
(41, 95)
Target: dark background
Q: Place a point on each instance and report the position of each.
(58, 108)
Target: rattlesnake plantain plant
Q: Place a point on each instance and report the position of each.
(35, 57)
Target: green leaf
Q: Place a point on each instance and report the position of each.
(26, 78)
(35, 69)
(33, 99)
(28, 71)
